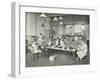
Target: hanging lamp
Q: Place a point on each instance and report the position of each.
(43, 15)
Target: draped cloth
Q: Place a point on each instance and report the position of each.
(82, 50)
(34, 48)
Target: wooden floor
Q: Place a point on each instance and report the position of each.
(60, 59)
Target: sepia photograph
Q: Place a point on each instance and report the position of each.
(54, 39)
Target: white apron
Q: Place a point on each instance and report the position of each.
(82, 51)
(34, 49)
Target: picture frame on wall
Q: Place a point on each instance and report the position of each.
(49, 40)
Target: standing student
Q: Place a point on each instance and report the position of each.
(62, 43)
(40, 39)
(49, 43)
(81, 49)
(57, 42)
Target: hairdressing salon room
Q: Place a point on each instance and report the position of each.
(54, 39)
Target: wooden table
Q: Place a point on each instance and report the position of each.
(55, 50)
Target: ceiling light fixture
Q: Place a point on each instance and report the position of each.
(61, 23)
(60, 18)
(43, 15)
(55, 18)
